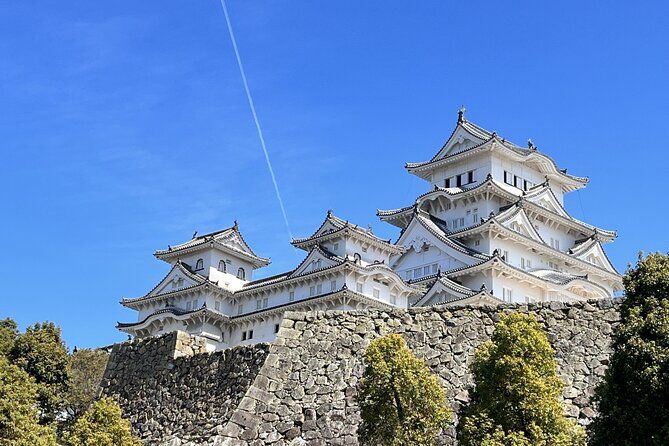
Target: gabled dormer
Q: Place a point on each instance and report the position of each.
(591, 251)
(517, 220)
(178, 278)
(347, 240)
(316, 260)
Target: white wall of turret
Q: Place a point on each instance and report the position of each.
(203, 261)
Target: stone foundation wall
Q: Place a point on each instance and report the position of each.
(304, 390)
(173, 391)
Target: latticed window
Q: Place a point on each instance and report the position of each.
(241, 274)
(199, 264)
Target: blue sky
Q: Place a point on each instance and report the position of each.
(125, 126)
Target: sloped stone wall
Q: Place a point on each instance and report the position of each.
(304, 391)
(173, 391)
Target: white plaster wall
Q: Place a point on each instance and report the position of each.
(479, 164)
(412, 260)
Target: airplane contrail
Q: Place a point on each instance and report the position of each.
(255, 118)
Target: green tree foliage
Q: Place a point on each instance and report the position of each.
(634, 395)
(515, 400)
(401, 402)
(19, 417)
(40, 351)
(101, 425)
(8, 334)
(85, 369)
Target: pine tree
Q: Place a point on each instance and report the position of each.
(101, 425)
(401, 401)
(85, 369)
(515, 399)
(633, 398)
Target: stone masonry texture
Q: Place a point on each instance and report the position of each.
(301, 389)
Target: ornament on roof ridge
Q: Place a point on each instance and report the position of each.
(329, 212)
(194, 234)
(483, 287)
(461, 114)
(235, 226)
(530, 144)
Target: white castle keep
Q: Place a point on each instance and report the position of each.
(491, 228)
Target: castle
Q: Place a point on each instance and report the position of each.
(492, 228)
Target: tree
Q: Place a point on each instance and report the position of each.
(19, 417)
(101, 425)
(40, 351)
(401, 402)
(515, 398)
(633, 396)
(85, 369)
(8, 334)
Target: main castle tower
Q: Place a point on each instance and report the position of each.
(493, 227)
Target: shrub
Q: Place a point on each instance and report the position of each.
(515, 398)
(401, 401)
(101, 425)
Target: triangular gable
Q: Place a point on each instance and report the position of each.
(233, 239)
(461, 139)
(315, 260)
(443, 290)
(520, 223)
(421, 232)
(547, 199)
(177, 278)
(594, 254)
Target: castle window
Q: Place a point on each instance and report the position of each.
(458, 179)
(243, 336)
(435, 267)
(217, 305)
(426, 270)
(505, 256)
(376, 293)
(508, 178)
(258, 304)
(356, 258)
(222, 267)
(312, 290)
(265, 303)
(188, 305)
(333, 285)
(276, 328)
(318, 263)
(470, 176)
(250, 334)
(416, 273)
(199, 264)
(240, 309)
(241, 273)
(526, 184)
(447, 182)
(393, 299)
(475, 216)
(358, 287)
(335, 247)
(408, 275)
(319, 288)
(291, 296)
(507, 294)
(516, 181)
